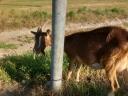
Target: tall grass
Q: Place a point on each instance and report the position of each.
(13, 18)
(28, 71)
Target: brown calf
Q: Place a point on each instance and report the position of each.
(105, 47)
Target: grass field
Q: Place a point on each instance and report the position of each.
(35, 73)
(31, 13)
(30, 74)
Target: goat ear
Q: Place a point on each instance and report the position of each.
(33, 32)
(48, 31)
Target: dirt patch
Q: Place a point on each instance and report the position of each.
(15, 37)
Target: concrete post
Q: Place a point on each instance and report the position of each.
(58, 28)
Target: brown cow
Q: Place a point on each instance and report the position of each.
(105, 47)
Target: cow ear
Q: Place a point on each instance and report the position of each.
(48, 31)
(33, 32)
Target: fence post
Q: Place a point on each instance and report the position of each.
(58, 30)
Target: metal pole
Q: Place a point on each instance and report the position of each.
(58, 28)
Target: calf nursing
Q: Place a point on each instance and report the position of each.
(105, 46)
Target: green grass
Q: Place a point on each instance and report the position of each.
(7, 46)
(28, 71)
(24, 67)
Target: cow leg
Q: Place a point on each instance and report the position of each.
(78, 72)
